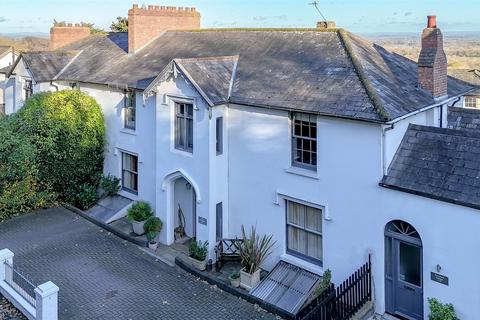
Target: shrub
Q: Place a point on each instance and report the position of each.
(234, 275)
(152, 228)
(86, 197)
(440, 311)
(254, 250)
(110, 185)
(139, 211)
(51, 150)
(198, 250)
(325, 282)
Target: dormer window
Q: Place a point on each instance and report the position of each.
(129, 109)
(304, 141)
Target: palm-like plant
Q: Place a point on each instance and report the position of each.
(254, 250)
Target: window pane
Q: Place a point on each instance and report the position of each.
(314, 246)
(180, 132)
(297, 240)
(410, 264)
(304, 140)
(189, 110)
(296, 214)
(190, 133)
(314, 219)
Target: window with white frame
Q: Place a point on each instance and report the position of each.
(304, 232)
(27, 89)
(472, 102)
(130, 109)
(184, 126)
(129, 172)
(304, 141)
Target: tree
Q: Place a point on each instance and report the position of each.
(121, 25)
(52, 150)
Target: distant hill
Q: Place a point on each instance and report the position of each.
(462, 48)
(26, 43)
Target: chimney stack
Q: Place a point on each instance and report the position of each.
(326, 25)
(432, 62)
(145, 23)
(62, 34)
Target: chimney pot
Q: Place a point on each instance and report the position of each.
(432, 22)
(326, 25)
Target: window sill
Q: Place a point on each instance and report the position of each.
(128, 131)
(183, 153)
(128, 195)
(302, 264)
(303, 172)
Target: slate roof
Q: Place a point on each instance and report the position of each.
(470, 76)
(464, 119)
(5, 70)
(438, 163)
(330, 72)
(45, 65)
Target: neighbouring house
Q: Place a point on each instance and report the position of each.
(7, 58)
(332, 144)
(472, 78)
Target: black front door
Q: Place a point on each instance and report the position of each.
(403, 276)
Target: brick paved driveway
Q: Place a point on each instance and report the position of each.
(103, 277)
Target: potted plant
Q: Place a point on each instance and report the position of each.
(137, 214)
(197, 252)
(253, 251)
(234, 278)
(152, 228)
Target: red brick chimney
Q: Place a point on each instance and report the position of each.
(432, 62)
(144, 24)
(62, 34)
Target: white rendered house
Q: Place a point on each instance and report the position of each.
(7, 58)
(308, 135)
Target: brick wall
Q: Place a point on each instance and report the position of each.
(432, 62)
(144, 24)
(62, 35)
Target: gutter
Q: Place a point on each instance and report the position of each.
(458, 96)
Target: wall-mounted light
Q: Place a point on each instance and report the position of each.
(188, 186)
(439, 268)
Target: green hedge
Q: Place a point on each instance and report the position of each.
(52, 150)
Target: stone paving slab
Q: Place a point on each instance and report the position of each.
(103, 277)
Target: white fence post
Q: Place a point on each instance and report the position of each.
(5, 256)
(47, 301)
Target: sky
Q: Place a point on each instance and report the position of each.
(367, 16)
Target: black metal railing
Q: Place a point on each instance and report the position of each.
(343, 302)
(20, 283)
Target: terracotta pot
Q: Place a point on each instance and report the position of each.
(249, 281)
(138, 227)
(200, 265)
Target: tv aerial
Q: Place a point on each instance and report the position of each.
(315, 4)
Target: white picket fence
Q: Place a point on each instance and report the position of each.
(35, 302)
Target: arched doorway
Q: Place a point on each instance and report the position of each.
(403, 270)
(182, 198)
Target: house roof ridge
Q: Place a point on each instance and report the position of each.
(344, 35)
(258, 30)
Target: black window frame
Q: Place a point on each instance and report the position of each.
(302, 156)
(219, 135)
(183, 126)
(129, 112)
(130, 171)
(297, 254)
